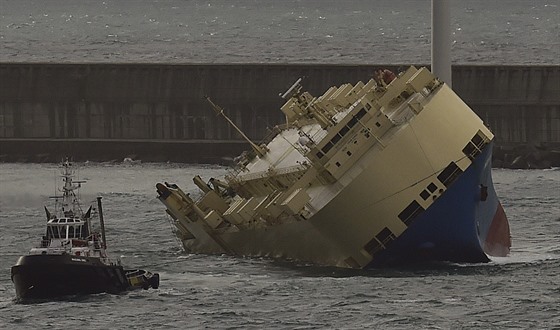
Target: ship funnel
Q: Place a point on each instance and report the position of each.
(441, 40)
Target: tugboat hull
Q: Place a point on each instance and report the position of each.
(71, 258)
(51, 276)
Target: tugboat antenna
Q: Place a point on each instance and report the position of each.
(260, 152)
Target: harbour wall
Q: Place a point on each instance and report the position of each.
(157, 112)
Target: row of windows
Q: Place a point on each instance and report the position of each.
(60, 232)
(65, 220)
(447, 177)
(345, 129)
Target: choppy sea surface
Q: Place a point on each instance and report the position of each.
(521, 291)
(273, 31)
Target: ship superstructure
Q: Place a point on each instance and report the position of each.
(397, 169)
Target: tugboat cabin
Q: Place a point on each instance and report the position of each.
(66, 228)
(70, 235)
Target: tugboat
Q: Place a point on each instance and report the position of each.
(392, 171)
(72, 256)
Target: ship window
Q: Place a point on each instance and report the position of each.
(77, 231)
(377, 124)
(344, 130)
(337, 164)
(63, 220)
(368, 106)
(361, 113)
(432, 187)
(55, 221)
(85, 231)
(471, 151)
(352, 122)
(62, 231)
(385, 236)
(335, 139)
(327, 147)
(410, 212)
(348, 153)
(424, 194)
(449, 174)
(478, 140)
(320, 155)
(52, 233)
(373, 247)
(70, 220)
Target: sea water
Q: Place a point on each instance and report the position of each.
(520, 291)
(273, 31)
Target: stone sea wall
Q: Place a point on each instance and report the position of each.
(157, 112)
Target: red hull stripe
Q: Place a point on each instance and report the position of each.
(498, 240)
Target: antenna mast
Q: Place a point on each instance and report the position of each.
(260, 152)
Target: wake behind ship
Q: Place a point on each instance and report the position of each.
(396, 170)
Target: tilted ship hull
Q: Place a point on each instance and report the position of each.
(368, 175)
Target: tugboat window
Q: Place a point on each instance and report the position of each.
(77, 231)
(51, 233)
(62, 231)
(56, 233)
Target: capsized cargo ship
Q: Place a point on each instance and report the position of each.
(393, 171)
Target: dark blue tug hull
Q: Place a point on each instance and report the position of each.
(51, 276)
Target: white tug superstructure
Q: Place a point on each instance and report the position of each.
(69, 229)
(356, 178)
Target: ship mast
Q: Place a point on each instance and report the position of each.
(70, 203)
(258, 150)
(441, 40)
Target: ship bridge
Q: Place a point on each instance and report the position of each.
(65, 228)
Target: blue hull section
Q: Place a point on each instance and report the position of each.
(455, 226)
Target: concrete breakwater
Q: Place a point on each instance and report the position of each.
(157, 112)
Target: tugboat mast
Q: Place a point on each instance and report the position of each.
(258, 150)
(101, 222)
